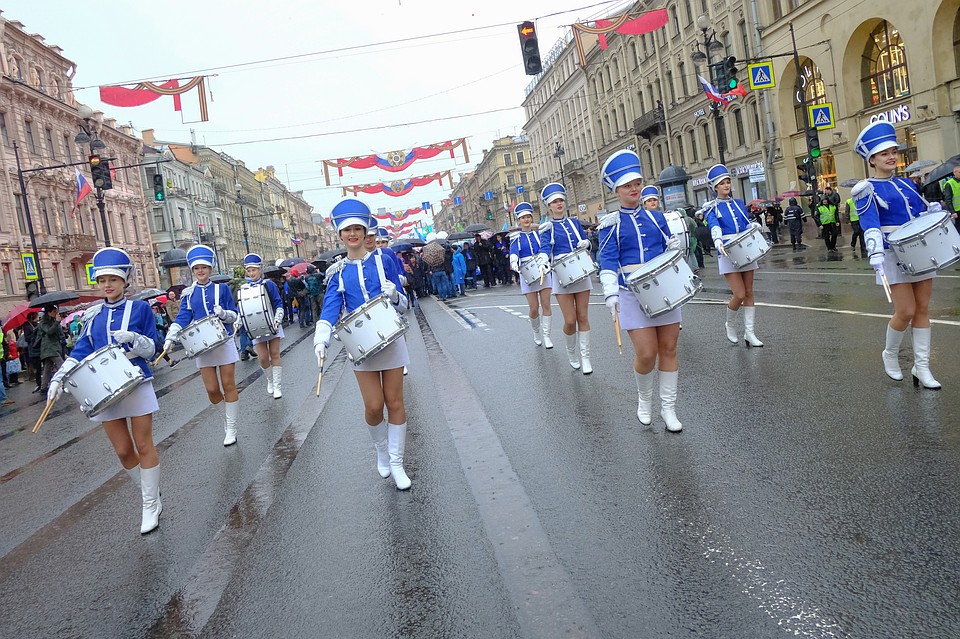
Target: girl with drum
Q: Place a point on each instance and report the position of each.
(267, 347)
(628, 239)
(561, 236)
(130, 325)
(727, 217)
(202, 299)
(524, 248)
(365, 276)
(884, 203)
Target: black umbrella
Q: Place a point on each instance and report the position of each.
(54, 297)
(476, 228)
(414, 241)
(849, 184)
(290, 261)
(400, 247)
(460, 236)
(147, 294)
(329, 256)
(271, 270)
(319, 263)
(942, 171)
(220, 279)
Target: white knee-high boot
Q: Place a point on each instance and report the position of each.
(890, 353)
(547, 323)
(150, 490)
(396, 442)
(231, 411)
(379, 435)
(749, 313)
(277, 379)
(921, 360)
(572, 354)
(668, 400)
(268, 374)
(731, 325)
(644, 397)
(585, 366)
(535, 323)
(134, 474)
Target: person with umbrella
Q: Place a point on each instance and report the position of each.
(365, 276)
(884, 203)
(129, 324)
(268, 347)
(525, 246)
(628, 238)
(50, 344)
(217, 367)
(559, 236)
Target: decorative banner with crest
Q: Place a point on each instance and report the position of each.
(399, 187)
(398, 215)
(395, 161)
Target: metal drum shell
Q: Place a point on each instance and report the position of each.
(102, 378)
(256, 311)
(925, 244)
(203, 335)
(740, 247)
(565, 267)
(360, 333)
(669, 269)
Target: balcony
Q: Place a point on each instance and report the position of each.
(80, 243)
(650, 124)
(573, 166)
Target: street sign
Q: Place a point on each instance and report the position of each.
(488, 195)
(822, 116)
(582, 208)
(89, 271)
(758, 174)
(29, 266)
(425, 206)
(519, 189)
(457, 201)
(761, 75)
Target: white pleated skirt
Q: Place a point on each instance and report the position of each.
(142, 401)
(726, 266)
(536, 286)
(262, 340)
(393, 356)
(222, 355)
(891, 269)
(632, 316)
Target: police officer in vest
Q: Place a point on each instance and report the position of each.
(951, 196)
(856, 231)
(828, 221)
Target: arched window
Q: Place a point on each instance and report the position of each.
(707, 142)
(642, 107)
(609, 78)
(688, 12)
(674, 20)
(681, 155)
(682, 76)
(694, 153)
(738, 126)
(956, 41)
(623, 116)
(810, 86)
(884, 67)
(616, 70)
(671, 91)
(633, 54)
(650, 160)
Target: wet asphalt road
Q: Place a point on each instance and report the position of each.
(808, 495)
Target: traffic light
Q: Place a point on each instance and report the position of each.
(100, 172)
(730, 73)
(33, 289)
(529, 48)
(813, 143)
(806, 171)
(158, 193)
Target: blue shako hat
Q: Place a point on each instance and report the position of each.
(524, 208)
(620, 168)
(374, 225)
(112, 261)
(553, 191)
(875, 137)
(382, 233)
(200, 254)
(350, 211)
(717, 174)
(252, 259)
(649, 192)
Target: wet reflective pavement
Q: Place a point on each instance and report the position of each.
(808, 495)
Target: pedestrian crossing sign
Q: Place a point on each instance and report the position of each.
(761, 76)
(821, 116)
(91, 280)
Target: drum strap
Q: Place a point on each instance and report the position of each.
(124, 321)
(383, 276)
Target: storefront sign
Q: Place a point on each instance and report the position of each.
(893, 116)
(674, 197)
(737, 170)
(758, 174)
(699, 112)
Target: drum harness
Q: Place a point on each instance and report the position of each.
(124, 323)
(630, 268)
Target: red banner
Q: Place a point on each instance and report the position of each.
(146, 92)
(625, 23)
(399, 187)
(395, 161)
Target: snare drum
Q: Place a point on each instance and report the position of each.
(102, 378)
(664, 283)
(203, 335)
(256, 311)
(369, 329)
(677, 223)
(746, 247)
(573, 267)
(530, 272)
(926, 243)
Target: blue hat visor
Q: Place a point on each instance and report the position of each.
(111, 270)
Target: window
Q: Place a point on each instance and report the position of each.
(523, 177)
(136, 229)
(777, 10)
(703, 8)
(123, 228)
(3, 129)
(884, 67)
(694, 155)
(8, 279)
(956, 50)
(64, 218)
(511, 179)
(687, 12)
(671, 91)
(738, 125)
(51, 150)
(59, 275)
(75, 272)
(810, 86)
(67, 149)
(643, 43)
(707, 144)
(674, 20)
(507, 159)
(744, 38)
(683, 156)
(519, 157)
(727, 43)
(682, 76)
(660, 158)
(641, 106)
(650, 160)
(634, 56)
(31, 143)
(45, 215)
(755, 112)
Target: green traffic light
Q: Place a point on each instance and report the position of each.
(814, 153)
(158, 196)
(733, 83)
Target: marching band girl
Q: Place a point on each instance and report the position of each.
(726, 217)
(202, 299)
(884, 203)
(362, 277)
(628, 239)
(268, 348)
(525, 246)
(559, 236)
(131, 325)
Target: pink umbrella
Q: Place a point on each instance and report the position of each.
(298, 269)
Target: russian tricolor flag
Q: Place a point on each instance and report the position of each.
(723, 98)
(83, 190)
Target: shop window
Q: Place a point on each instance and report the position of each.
(884, 67)
(810, 86)
(3, 129)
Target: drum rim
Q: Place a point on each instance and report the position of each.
(95, 354)
(370, 303)
(659, 269)
(942, 221)
(742, 235)
(563, 258)
(265, 304)
(119, 395)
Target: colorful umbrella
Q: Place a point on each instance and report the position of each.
(298, 269)
(18, 316)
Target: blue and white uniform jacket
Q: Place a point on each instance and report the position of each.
(197, 302)
(638, 236)
(726, 218)
(561, 238)
(102, 321)
(886, 204)
(525, 245)
(273, 292)
(357, 282)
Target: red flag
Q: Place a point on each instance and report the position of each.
(649, 21)
(123, 97)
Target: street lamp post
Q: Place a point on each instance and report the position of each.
(88, 135)
(711, 45)
(26, 212)
(243, 219)
(558, 153)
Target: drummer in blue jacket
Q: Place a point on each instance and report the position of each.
(268, 346)
(202, 299)
(131, 325)
(727, 217)
(524, 247)
(362, 277)
(559, 236)
(884, 203)
(629, 238)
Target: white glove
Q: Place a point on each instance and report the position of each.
(673, 243)
(584, 243)
(390, 290)
(514, 263)
(544, 227)
(56, 387)
(756, 225)
(613, 303)
(876, 261)
(53, 391)
(610, 283)
(219, 312)
(168, 345)
(542, 260)
(718, 244)
(321, 337)
(124, 337)
(321, 350)
(173, 331)
(278, 315)
(934, 207)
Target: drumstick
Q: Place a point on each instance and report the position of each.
(886, 287)
(543, 274)
(616, 327)
(320, 376)
(43, 415)
(162, 355)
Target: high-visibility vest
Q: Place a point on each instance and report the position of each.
(955, 193)
(828, 213)
(854, 216)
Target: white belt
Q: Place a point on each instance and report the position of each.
(889, 229)
(629, 268)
